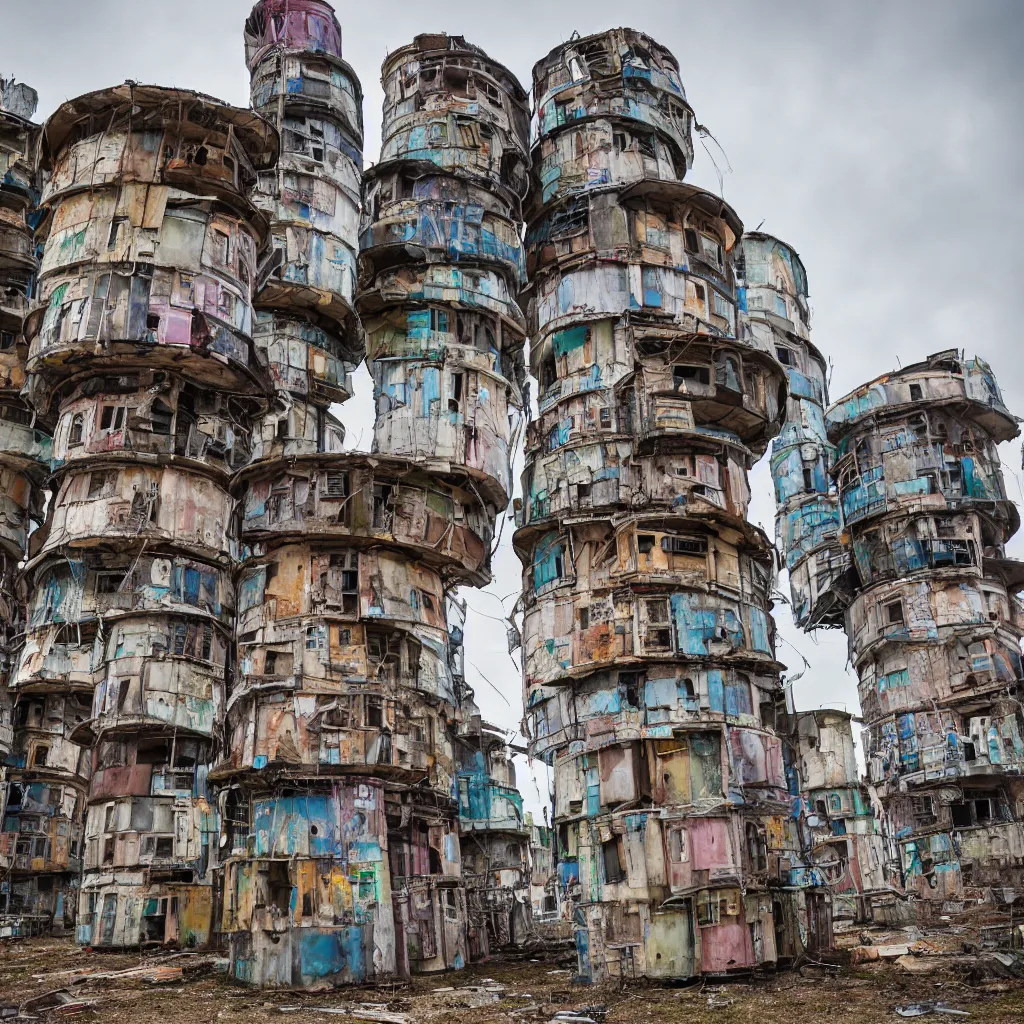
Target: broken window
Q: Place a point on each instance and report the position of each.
(221, 248)
(978, 807)
(727, 372)
(382, 511)
(613, 869)
(374, 713)
(161, 416)
(757, 849)
(75, 433)
(786, 356)
(112, 417)
(110, 582)
(645, 543)
(659, 631)
(709, 908)
(894, 613)
(683, 375)
(923, 809)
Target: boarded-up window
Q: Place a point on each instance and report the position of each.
(706, 766)
(618, 777)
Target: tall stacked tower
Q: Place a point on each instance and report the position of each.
(141, 352)
(311, 736)
(40, 845)
(439, 268)
(934, 626)
(772, 285)
(651, 680)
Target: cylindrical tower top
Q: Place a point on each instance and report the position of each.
(308, 25)
(620, 74)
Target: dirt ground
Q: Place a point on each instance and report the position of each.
(522, 991)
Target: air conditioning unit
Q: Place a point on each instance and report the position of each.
(979, 728)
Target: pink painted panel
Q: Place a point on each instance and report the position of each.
(710, 845)
(726, 946)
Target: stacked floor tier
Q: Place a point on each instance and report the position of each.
(934, 625)
(439, 268)
(651, 681)
(140, 352)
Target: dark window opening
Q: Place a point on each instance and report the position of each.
(613, 871)
(681, 375)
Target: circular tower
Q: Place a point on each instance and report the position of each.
(439, 268)
(42, 808)
(651, 681)
(140, 351)
(307, 738)
(934, 626)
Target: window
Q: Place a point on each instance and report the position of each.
(584, 614)
(39, 756)
(116, 224)
(112, 417)
(374, 713)
(684, 545)
(645, 543)
(915, 392)
(657, 611)
(894, 613)
(786, 356)
(102, 484)
(451, 910)
(613, 871)
(709, 908)
(757, 850)
(161, 415)
(381, 506)
(684, 375)
(979, 807)
(677, 846)
(710, 250)
(336, 485)
(923, 809)
(222, 248)
(110, 582)
(77, 426)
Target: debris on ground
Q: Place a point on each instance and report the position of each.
(922, 1009)
(45, 981)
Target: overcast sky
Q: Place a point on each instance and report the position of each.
(882, 140)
